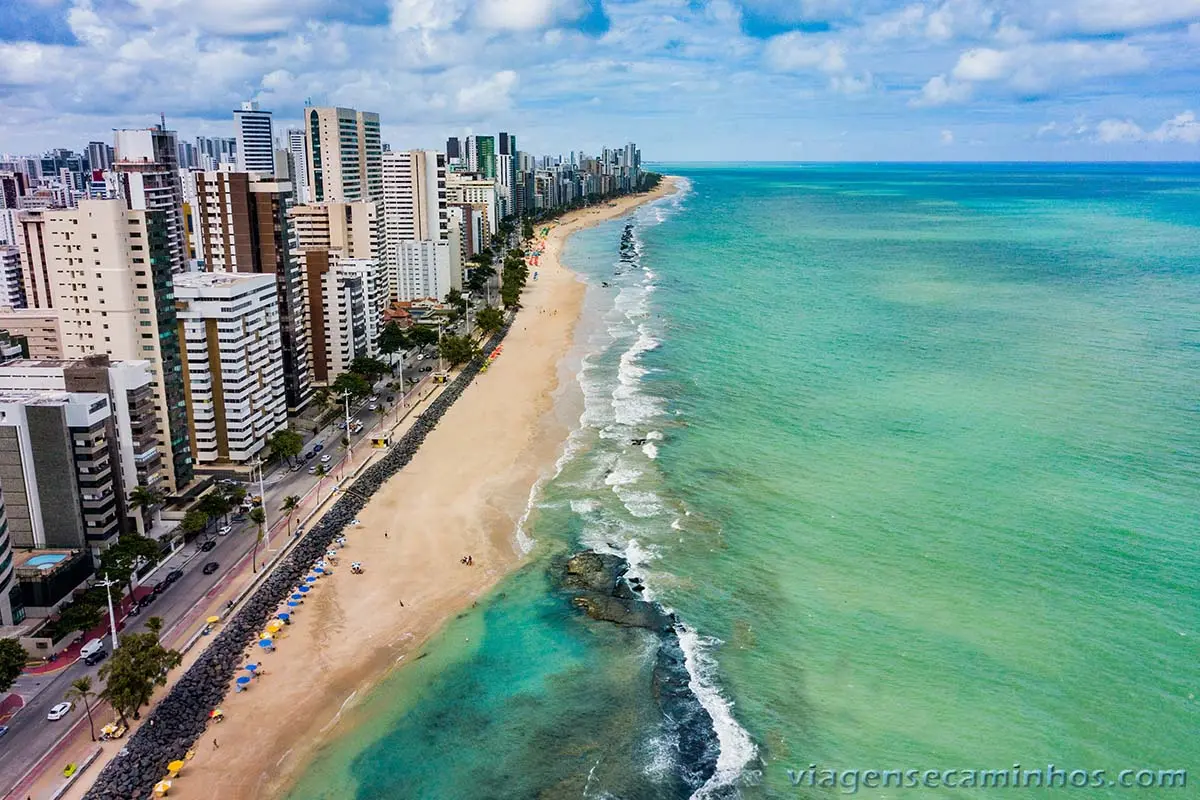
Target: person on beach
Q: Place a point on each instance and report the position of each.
(215, 745)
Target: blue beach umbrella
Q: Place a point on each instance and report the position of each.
(265, 644)
(319, 571)
(251, 668)
(293, 603)
(284, 616)
(242, 681)
(297, 596)
(311, 579)
(304, 589)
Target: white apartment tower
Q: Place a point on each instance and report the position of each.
(147, 174)
(295, 146)
(255, 139)
(344, 154)
(414, 205)
(232, 363)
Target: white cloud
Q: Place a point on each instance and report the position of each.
(523, 15)
(851, 84)
(425, 14)
(1036, 67)
(1183, 128)
(795, 52)
(1107, 16)
(489, 95)
(947, 137)
(938, 91)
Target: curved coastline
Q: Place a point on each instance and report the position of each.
(271, 731)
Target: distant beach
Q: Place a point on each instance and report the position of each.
(463, 494)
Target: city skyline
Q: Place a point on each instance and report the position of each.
(760, 79)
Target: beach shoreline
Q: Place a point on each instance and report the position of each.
(464, 493)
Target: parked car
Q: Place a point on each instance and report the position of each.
(391, 398)
(312, 470)
(224, 530)
(374, 398)
(310, 454)
(95, 658)
(174, 575)
(3, 730)
(207, 546)
(318, 448)
(60, 711)
(147, 600)
(159, 587)
(210, 568)
(426, 368)
(325, 459)
(91, 647)
(373, 406)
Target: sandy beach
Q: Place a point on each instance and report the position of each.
(463, 493)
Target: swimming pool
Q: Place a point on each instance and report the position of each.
(46, 561)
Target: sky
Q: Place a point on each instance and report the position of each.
(737, 80)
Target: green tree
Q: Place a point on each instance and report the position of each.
(258, 516)
(370, 368)
(215, 505)
(510, 295)
(194, 522)
(145, 499)
(527, 228)
(12, 662)
(290, 504)
(135, 668)
(455, 298)
(78, 615)
(351, 382)
(236, 495)
(286, 443)
(81, 689)
(321, 472)
(422, 335)
(323, 397)
(392, 339)
(121, 561)
(457, 350)
(490, 320)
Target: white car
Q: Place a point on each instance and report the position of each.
(325, 459)
(93, 646)
(373, 406)
(224, 530)
(60, 711)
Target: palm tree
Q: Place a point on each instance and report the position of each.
(81, 689)
(258, 517)
(144, 498)
(155, 625)
(322, 471)
(290, 504)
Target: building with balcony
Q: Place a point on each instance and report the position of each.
(232, 364)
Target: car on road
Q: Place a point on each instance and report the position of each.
(60, 711)
(391, 398)
(207, 546)
(318, 448)
(224, 530)
(210, 568)
(426, 368)
(159, 587)
(174, 575)
(95, 645)
(325, 459)
(374, 398)
(310, 454)
(373, 406)
(3, 730)
(312, 470)
(95, 658)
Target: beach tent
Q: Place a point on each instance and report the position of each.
(174, 767)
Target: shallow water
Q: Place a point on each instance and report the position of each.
(919, 477)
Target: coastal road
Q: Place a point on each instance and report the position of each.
(31, 736)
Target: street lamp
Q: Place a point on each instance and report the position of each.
(349, 440)
(262, 493)
(112, 617)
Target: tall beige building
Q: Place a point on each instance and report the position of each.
(111, 281)
(345, 154)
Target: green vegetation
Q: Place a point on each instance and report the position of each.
(457, 349)
(120, 562)
(258, 516)
(81, 689)
(12, 662)
(422, 335)
(372, 369)
(194, 523)
(145, 499)
(355, 384)
(135, 668)
(490, 320)
(290, 504)
(287, 444)
(392, 339)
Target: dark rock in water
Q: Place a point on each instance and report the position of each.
(596, 572)
(638, 442)
(600, 587)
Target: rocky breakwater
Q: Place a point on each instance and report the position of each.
(181, 718)
(599, 585)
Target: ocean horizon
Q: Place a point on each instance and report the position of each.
(911, 451)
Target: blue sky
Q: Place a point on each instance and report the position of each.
(686, 79)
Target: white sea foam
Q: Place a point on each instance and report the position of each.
(737, 749)
(584, 506)
(650, 450)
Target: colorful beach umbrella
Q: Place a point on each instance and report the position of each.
(251, 667)
(242, 681)
(319, 570)
(266, 644)
(311, 579)
(304, 590)
(297, 596)
(213, 620)
(175, 766)
(293, 603)
(284, 616)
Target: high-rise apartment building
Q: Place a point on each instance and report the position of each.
(100, 155)
(344, 311)
(39, 328)
(56, 469)
(232, 363)
(13, 186)
(414, 206)
(481, 155)
(113, 291)
(133, 428)
(477, 192)
(255, 139)
(428, 269)
(299, 176)
(344, 154)
(147, 168)
(243, 227)
(12, 283)
(12, 610)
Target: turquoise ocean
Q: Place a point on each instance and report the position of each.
(913, 453)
